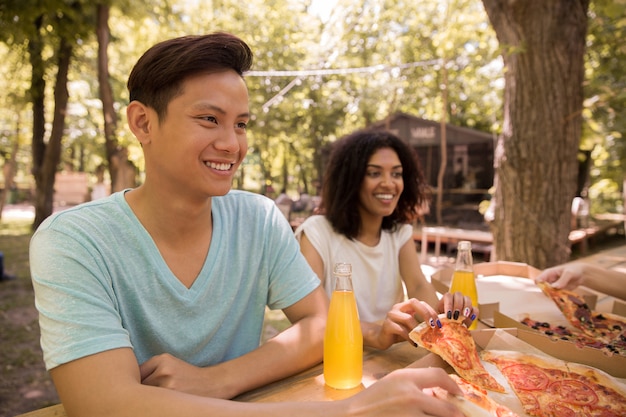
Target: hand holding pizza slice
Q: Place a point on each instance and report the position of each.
(454, 344)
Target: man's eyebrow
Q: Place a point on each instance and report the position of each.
(218, 109)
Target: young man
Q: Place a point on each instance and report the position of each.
(151, 300)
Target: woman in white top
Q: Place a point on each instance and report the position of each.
(371, 192)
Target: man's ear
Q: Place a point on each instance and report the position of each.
(140, 121)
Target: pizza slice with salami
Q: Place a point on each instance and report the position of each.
(607, 330)
(454, 344)
(573, 307)
(549, 387)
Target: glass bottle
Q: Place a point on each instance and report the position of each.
(463, 279)
(343, 340)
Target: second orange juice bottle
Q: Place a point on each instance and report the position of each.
(463, 279)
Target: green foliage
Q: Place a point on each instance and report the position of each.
(365, 60)
(605, 104)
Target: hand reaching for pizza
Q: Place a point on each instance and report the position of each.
(405, 316)
(456, 306)
(563, 277)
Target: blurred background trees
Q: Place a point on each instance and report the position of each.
(322, 68)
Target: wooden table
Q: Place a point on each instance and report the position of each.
(309, 385)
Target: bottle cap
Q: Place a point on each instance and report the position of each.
(464, 245)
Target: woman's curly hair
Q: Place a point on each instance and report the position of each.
(345, 173)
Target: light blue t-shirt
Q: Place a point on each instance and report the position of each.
(101, 283)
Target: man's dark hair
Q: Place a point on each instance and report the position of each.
(346, 171)
(160, 72)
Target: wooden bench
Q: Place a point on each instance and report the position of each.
(482, 239)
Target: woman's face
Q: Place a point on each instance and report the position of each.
(383, 183)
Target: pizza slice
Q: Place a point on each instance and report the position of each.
(455, 345)
(573, 307)
(549, 387)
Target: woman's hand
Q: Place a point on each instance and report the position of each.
(457, 306)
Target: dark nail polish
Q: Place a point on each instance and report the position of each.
(456, 314)
(449, 315)
(439, 323)
(473, 317)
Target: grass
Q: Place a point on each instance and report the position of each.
(25, 385)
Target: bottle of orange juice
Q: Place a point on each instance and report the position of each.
(463, 279)
(343, 340)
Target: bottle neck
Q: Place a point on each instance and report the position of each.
(343, 283)
(464, 260)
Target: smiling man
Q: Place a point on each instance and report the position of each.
(152, 300)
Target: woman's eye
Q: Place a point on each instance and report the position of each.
(373, 174)
(397, 175)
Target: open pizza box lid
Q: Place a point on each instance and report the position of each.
(507, 294)
(515, 339)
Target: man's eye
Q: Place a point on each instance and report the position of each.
(242, 125)
(211, 119)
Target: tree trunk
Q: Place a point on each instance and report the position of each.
(37, 95)
(543, 44)
(10, 167)
(45, 181)
(115, 158)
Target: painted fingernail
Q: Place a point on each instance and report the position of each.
(432, 323)
(466, 312)
(439, 323)
(473, 317)
(449, 314)
(456, 314)
(414, 344)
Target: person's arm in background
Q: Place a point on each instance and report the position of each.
(572, 275)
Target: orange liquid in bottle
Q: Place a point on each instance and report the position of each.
(343, 343)
(464, 282)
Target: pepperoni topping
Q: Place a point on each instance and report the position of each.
(573, 392)
(526, 377)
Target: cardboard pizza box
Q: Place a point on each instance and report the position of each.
(507, 294)
(566, 350)
(509, 287)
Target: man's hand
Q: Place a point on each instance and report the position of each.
(167, 371)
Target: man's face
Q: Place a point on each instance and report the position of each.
(201, 142)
